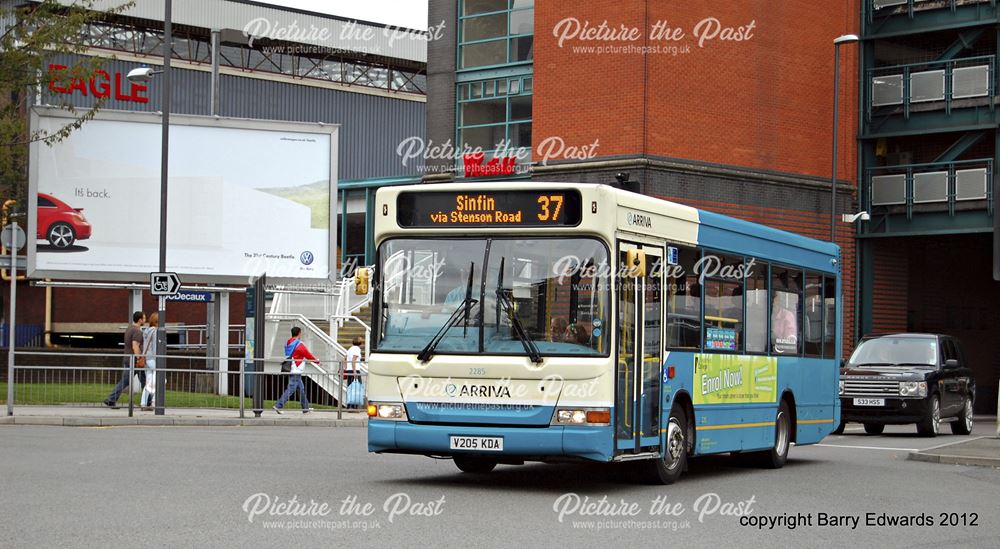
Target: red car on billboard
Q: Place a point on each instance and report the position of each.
(59, 223)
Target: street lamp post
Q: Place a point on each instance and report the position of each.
(143, 75)
(161, 328)
(840, 40)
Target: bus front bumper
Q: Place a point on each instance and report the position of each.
(585, 442)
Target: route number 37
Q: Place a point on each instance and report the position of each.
(551, 206)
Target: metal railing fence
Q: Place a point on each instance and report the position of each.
(88, 379)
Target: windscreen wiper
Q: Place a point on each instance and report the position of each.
(503, 300)
(462, 312)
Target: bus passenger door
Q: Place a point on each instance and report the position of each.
(639, 360)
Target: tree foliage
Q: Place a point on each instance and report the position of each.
(31, 35)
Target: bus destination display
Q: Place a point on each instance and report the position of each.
(489, 209)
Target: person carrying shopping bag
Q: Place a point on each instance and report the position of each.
(352, 374)
(297, 353)
(149, 352)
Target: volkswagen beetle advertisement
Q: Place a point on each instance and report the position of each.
(244, 198)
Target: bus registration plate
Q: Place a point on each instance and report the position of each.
(869, 402)
(489, 444)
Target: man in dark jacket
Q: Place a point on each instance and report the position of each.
(133, 350)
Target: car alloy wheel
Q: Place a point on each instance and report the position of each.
(61, 235)
(963, 424)
(936, 416)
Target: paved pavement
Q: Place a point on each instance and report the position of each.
(200, 486)
(89, 416)
(983, 451)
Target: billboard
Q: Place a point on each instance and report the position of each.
(245, 197)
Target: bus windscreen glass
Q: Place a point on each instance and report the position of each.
(557, 290)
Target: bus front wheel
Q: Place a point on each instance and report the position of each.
(669, 467)
(475, 465)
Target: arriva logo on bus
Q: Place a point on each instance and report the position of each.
(639, 220)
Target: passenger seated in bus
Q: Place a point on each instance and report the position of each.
(457, 294)
(576, 333)
(784, 325)
(557, 329)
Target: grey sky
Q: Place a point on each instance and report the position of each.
(402, 13)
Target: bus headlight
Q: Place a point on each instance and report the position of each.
(913, 388)
(582, 416)
(383, 410)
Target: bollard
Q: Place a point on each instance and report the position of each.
(340, 389)
(131, 375)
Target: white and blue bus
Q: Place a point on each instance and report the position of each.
(543, 322)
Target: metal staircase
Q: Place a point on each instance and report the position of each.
(329, 321)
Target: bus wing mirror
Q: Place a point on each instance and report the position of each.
(361, 281)
(636, 260)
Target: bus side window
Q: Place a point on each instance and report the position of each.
(683, 300)
(829, 317)
(812, 325)
(757, 307)
(786, 311)
(723, 302)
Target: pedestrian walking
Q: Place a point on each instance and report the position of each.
(149, 352)
(353, 360)
(133, 351)
(298, 353)
(352, 373)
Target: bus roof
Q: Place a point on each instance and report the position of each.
(718, 231)
(753, 239)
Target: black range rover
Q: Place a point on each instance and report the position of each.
(907, 378)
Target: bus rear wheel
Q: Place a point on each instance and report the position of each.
(475, 465)
(776, 457)
(668, 468)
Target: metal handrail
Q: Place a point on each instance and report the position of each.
(893, 69)
(276, 359)
(909, 170)
(930, 164)
(909, 7)
(336, 375)
(906, 71)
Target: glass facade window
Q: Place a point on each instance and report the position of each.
(495, 111)
(495, 32)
